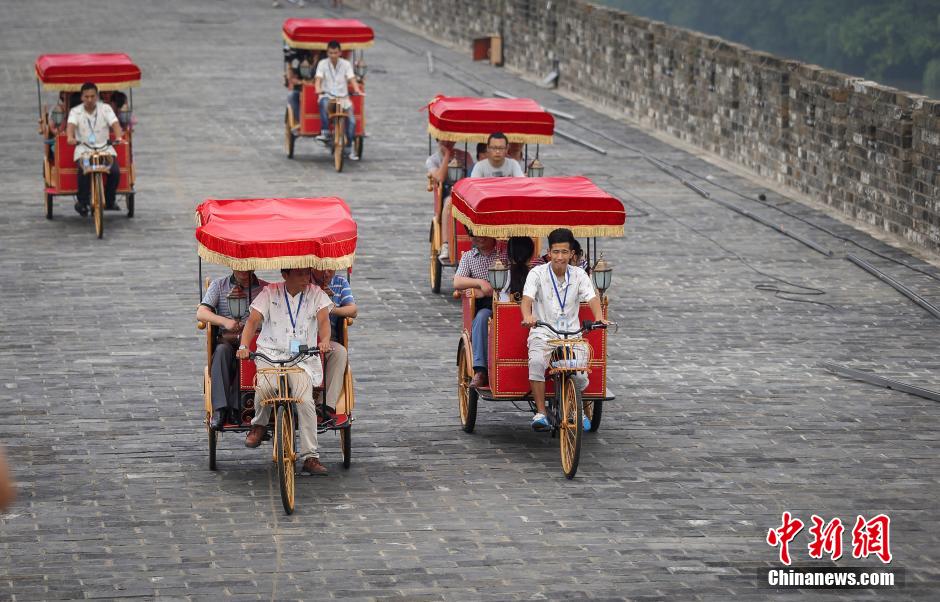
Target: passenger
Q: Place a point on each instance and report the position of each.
(291, 313)
(49, 128)
(471, 277)
(553, 293)
(121, 108)
(87, 128)
(520, 250)
(577, 257)
(436, 165)
(215, 310)
(497, 164)
(515, 152)
(344, 306)
(333, 77)
(297, 71)
(481, 151)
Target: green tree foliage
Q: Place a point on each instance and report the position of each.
(891, 41)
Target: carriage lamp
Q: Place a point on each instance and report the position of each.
(497, 275)
(238, 303)
(536, 169)
(360, 69)
(601, 275)
(454, 170)
(124, 117)
(57, 116)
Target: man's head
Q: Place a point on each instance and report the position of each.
(333, 51)
(515, 151)
(296, 277)
(560, 243)
(323, 277)
(89, 94)
(445, 145)
(242, 277)
(497, 145)
(481, 151)
(483, 243)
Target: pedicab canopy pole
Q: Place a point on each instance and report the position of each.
(275, 233)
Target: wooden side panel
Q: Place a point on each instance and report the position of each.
(309, 111)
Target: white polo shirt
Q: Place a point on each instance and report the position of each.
(335, 79)
(557, 300)
(98, 122)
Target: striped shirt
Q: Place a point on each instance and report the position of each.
(342, 295)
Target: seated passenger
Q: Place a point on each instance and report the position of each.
(497, 164)
(121, 109)
(519, 249)
(333, 77)
(344, 306)
(297, 71)
(436, 165)
(471, 276)
(215, 310)
(553, 293)
(48, 126)
(515, 152)
(481, 151)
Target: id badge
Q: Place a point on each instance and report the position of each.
(561, 323)
(295, 346)
(91, 138)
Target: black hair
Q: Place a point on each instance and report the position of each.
(333, 44)
(562, 235)
(519, 249)
(576, 247)
(481, 148)
(75, 99)
(89, 86)
(497, 136)
(119, 98)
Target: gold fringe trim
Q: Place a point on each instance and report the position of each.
(278, 263)
(462, 137)
(322, 45)
(533, 229)
(109, 87)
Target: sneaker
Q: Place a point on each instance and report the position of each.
(586, 423)
(540, 423)
(353, 156)
(444, 255)
(81, 209)
(323, 137)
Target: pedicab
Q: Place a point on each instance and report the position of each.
(308, 38)
(65, 74)
(260, 234)
(472, 120)
(508, 207)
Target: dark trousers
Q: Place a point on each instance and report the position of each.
(110, 187)
(224, 373)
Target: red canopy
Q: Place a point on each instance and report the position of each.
(314, 34)
(465, 119)
(504, 207)
(256, 234)
(69, 71)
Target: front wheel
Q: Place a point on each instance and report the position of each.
(570, 424)
(467, 396)
(284, 448)
(97, 204)
(345, 440)
(339, 142)
(289, 137)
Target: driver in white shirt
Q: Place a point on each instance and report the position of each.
(332, 80)
(88, 128)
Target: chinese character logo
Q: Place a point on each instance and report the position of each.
(871, 537)
(784, 535)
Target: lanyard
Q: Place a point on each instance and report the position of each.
(91, 126)
(333, 84)
(293, 321)
(567, 286)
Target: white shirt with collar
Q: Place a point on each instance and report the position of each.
(573, 288)
(335, 78)
(98, 122)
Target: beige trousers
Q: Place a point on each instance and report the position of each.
(306, 410)
(334, 373)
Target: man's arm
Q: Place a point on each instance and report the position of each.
(345, 311)
(318, 84)
(248, 333)
(528, 320)
(440, 174)
(117, 131)
(323, 329)
(205, 314)
(70, 133)
(597, 310)
(355, 83)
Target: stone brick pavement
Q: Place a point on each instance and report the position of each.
(722, 419)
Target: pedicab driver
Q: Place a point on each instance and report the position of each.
(333, 77)
(88, 127)
(552, 294)
(291, 313)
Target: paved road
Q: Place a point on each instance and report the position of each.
(722, 421)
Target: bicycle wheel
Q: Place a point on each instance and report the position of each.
(284, 448)
(436, 267)
(289, 137)
(466, 396)
(130, 204)
(97, 203)
(213, 442)
(570, 424)
(339, 142)
(48, 206)
(593, 410)
(358, 145)
(345, 440)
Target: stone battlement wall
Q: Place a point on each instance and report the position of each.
(869, 151)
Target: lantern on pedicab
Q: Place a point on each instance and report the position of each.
(536, 169)
(602, 274)
(238, 303)
(360, 68)
(455, 170)
(57, 115)
(497, 275)
(124, 117)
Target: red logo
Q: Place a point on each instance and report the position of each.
(784, 535)
(827, 540)
(868, 537)
(871, 537)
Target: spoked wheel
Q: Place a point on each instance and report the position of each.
(593, 410)
(48, 206)
(436, 267)
(130, 204)
(570, 426)
(466, 396)
(358, 144)
(213, 441)
(339, 142)
(284, 449)
(97, 204)
(289, 137)
(345, 441)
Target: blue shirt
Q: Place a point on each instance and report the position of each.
(342, 295)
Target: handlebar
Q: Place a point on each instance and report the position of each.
(302, 353)
(95, 149)
(586, 326)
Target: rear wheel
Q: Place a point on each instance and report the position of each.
(466, 395)
(593, 410)
(570, 424)
(289, 137)
(359, 143)
(97, 204)
(436, 267)
(213, 442)
(284, 448)
(345, 440)
(339, 142)
(48, 206)
(130, 204)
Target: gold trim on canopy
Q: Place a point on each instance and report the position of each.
(322, 45)
(533, 229)
(465, 137)
(277, 263)
(105, 87)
